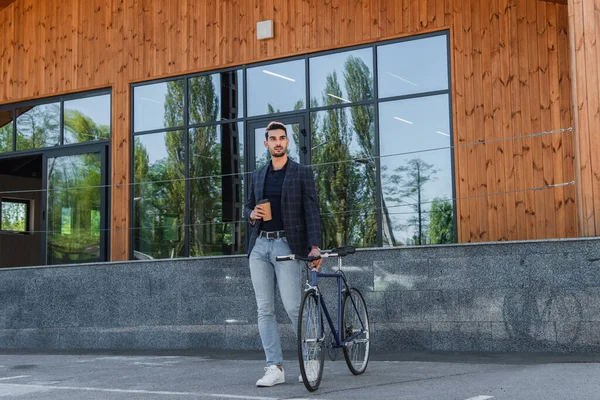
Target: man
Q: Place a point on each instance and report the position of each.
(294, 229)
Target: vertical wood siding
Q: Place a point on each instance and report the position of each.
(584, 24)
(510, 77)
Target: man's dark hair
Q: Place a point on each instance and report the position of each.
(273, 126)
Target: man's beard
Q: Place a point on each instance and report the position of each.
(274, 153)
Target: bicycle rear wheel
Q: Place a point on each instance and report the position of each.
(355, 321)
(311, 354)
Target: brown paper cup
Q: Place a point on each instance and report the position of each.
(267, 207)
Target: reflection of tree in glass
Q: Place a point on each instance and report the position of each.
(151, 199)
(335, 184)
(74, 196)
(6, 131)
(83, 128)
(441, 222)
(359, 86)
(346, 189)
(205, 165)
(38, 126)
(406, 186)
(174, 169)
(208, 233)
(13, 216)
(159, 193)
(73, 208)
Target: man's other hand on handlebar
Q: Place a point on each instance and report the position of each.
(315, 252)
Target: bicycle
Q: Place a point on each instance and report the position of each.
(351, 333)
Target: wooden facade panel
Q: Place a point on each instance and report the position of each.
(510, 78)
(591, 37)
(568, 146)
(553, 112)
(582, 49)
(480, 184)
(458, 54)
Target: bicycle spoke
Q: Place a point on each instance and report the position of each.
(355, 323)
(310, 341)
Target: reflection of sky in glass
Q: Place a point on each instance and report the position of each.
(96, 108)
(149, 106)
(413, 66)
(321, 67)
(155, 145)
(281, 85)
(261, 152)
(424, 125)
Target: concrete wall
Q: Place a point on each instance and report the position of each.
(512, 296)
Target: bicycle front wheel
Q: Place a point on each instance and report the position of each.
(311, 341)
(355, 323)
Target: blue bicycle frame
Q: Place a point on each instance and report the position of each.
(342, 286)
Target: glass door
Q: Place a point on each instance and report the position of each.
(297, 135)
(74, 210)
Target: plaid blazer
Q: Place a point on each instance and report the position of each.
(299, 209)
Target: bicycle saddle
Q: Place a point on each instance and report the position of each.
(344, 250)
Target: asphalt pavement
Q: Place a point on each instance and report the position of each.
(232, 375)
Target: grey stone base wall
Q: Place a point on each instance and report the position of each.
(501, 297)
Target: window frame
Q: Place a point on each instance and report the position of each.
(13, 107)
(27, 203)
(306, 113)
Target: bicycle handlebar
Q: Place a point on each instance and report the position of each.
(337, 252)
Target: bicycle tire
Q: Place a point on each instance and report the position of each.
(358, 351)
(311, 351)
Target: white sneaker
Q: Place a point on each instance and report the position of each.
(273, 376)
(310, 367)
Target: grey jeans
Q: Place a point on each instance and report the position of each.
(267, 273)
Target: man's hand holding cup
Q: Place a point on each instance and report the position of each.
(261, 211)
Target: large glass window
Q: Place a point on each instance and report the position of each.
(413, 66)
(188, 196)
(373, 122)
(6, 130)
(159, 194)
(158, 106)
(215, 97)
(345, 174)
(38, 126)
(52, 141)
(341, 78)
(216, 196)
(416, 171)
(87, 119)
(276, 88)
(74, 208)
(62, 121)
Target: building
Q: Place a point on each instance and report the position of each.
(127, 127)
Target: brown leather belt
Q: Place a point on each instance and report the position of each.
(271, 235)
